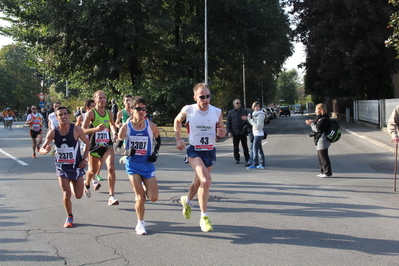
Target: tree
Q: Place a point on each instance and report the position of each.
(19, 86)
(393, 40)
(345, 48)
(153, 49)
(287, 83)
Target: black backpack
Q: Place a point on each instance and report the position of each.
(334, 133)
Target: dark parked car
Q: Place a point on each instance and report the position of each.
(274, 113)
(267, 116)
(284, 110)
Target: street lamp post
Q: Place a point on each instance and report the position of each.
(206, 42)
(243, 80)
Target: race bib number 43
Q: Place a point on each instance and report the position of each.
(140, 144)
(204, 141)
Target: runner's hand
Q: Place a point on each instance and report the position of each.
(221, 132)
(395, 140)
(180, 144)
(153, 158)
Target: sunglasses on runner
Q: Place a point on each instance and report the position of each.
(138, 109)
(202, 97)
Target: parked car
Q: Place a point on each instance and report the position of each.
(268, 115)
(274, 112)
(284, 110)
(298, 109)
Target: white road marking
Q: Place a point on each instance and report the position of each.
(12, 157)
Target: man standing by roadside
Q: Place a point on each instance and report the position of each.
(393, 125)
(235, 123)
(98, 124)
(114, 109)
(35, 122)
(204, 124)
(69, 163)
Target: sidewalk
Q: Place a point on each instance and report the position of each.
(375, 136)
(378, 137)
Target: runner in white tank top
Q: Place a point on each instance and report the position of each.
(204, 124)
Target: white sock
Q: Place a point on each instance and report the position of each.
(189, 202)
(203, 214)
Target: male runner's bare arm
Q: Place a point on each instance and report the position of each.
(154, 129)
(79, 133)
(177, 125)
(221, 130)
(113, 126)
(79, 121)
(118, 121)
(86, 124)
(46, 147)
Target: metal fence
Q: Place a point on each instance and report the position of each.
(374, 111)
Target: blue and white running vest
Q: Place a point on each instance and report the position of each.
(141, 141)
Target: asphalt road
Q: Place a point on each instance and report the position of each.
(283, 215)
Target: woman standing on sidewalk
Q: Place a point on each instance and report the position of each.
(319, 128)
(257, 121)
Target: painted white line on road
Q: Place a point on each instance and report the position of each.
(12, 157)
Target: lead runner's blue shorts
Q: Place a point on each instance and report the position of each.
(146, 169)
(208, 157)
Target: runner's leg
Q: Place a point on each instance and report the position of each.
(66, 194)
(138, 189)
(92, 169)
(109, 158)
(151, 185)
(202, 182)
(78, 187)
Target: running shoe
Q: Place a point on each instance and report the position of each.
(205, 224)
(324, 176)
(87, 192)
(140, 228)
(96, 185)
(69, 222)
(99, 178)
(34, 155)
(38, 148)
(251, 167)
(260, 167)
(112, 201)
(186, 207)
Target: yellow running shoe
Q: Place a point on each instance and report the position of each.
(205, 224)
(186, 207)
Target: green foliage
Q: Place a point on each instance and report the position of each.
(154, 48)
(287, 84)
(19, 86)
(346, 55)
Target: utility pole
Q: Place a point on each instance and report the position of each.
(206, 42)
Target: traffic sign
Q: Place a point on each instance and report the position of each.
(42, 104)
(41, 96)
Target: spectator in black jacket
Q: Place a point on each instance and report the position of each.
(114, 108)
(236, 119)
